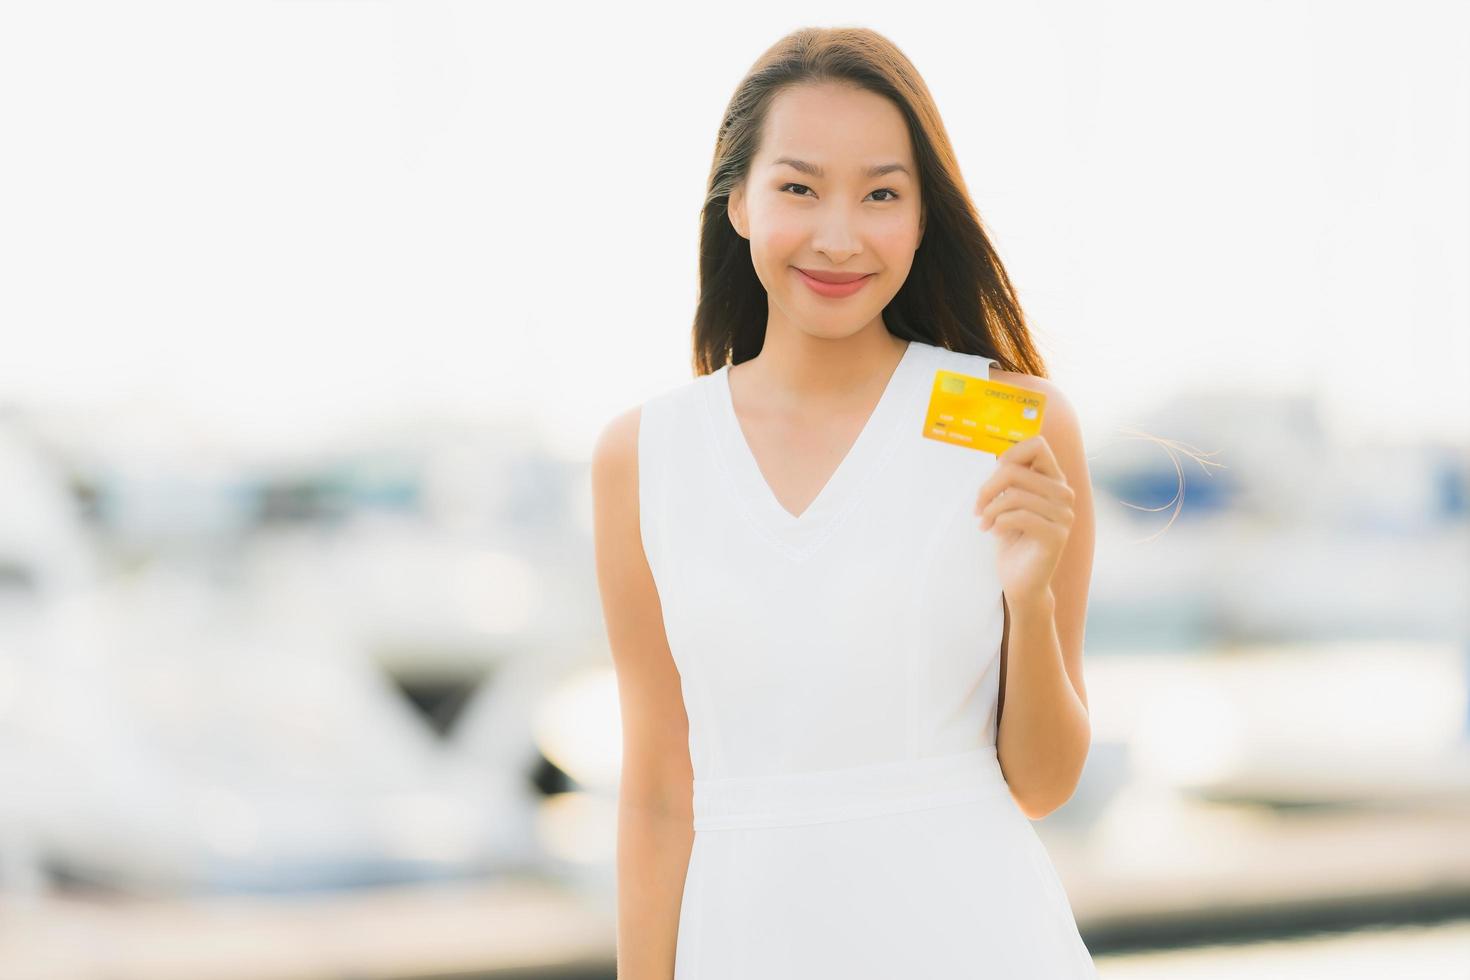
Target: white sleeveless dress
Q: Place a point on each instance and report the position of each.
(840, 673)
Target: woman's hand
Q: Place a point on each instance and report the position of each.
(1028, 501)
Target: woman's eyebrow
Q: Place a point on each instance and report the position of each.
(813, 170)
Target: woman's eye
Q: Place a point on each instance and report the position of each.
(882, 190)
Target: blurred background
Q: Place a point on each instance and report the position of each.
(310, 313)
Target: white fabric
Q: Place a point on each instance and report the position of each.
(840, 673)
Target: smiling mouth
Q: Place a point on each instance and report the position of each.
(835, 278)
(834, 290)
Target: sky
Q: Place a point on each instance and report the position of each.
(268, 221)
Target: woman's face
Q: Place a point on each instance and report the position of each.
(812, 201)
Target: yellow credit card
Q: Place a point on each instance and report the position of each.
(978, 413)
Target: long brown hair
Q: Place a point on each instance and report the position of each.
(957, 294)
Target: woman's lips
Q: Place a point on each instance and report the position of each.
(833, 290)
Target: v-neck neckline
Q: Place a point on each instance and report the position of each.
(799, 531)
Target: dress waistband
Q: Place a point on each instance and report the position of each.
(828, 795)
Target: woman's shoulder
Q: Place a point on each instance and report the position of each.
(964, 362)
(688, 389)
(617, 443)
(668, 407)
(981, 366)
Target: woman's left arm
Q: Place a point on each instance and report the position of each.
(1039, 505)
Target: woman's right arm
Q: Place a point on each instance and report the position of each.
(655, 792)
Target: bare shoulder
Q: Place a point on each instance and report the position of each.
(615, 452)
(618, 439)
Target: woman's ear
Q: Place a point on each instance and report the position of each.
(735, 208)
(919, 241)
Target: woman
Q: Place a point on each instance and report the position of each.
(816, 614)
